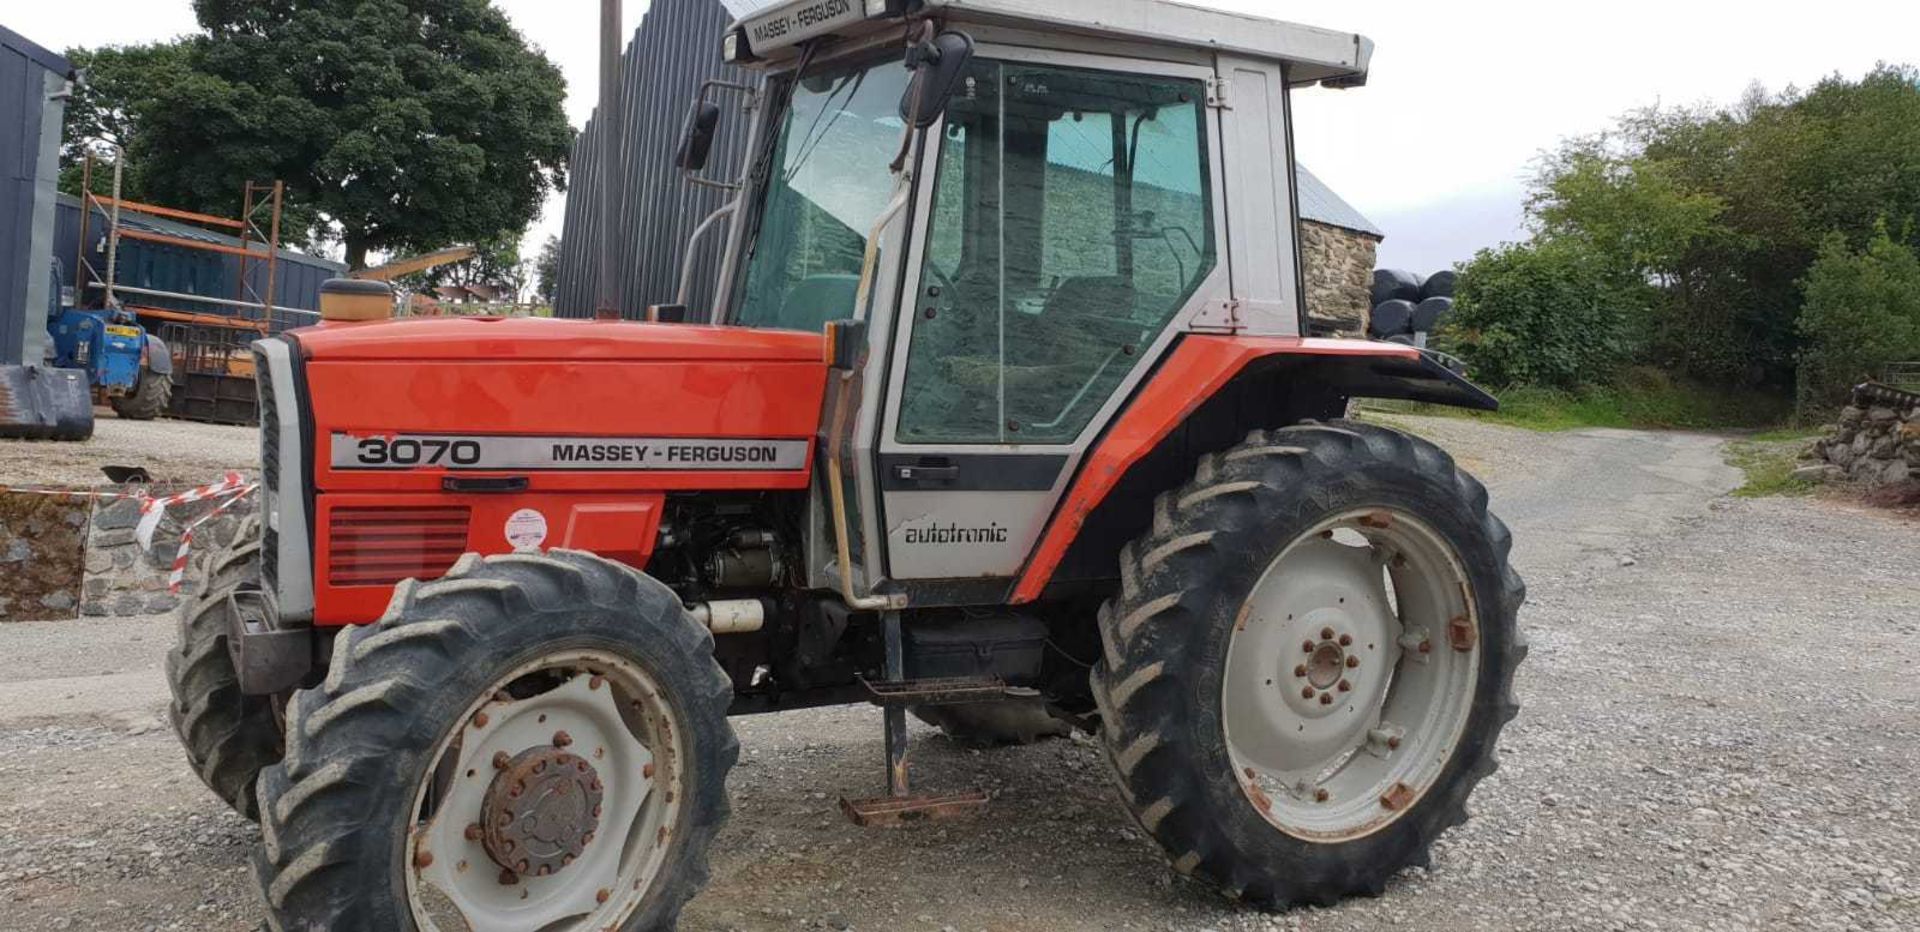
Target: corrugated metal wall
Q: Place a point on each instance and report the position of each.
(675, 50)
(25, 73)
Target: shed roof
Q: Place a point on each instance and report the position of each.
(1319, 204)
(34, 52)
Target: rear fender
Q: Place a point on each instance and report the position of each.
(1208, 394)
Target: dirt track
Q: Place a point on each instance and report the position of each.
(1721, 731)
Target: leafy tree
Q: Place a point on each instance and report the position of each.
(1862, 312)
(106, 110)
(1540, 314)
(398, 125)
(546, 272)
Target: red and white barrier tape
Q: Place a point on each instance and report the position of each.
(233, 487)
(178, 576)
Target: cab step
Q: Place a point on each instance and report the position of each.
(953, 690)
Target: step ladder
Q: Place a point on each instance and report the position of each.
(894, 694)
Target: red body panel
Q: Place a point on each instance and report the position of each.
(618, 527)
(534, 378)
(1195, 372)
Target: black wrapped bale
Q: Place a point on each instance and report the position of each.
(1440, 285)
(1395, 285)
(1428, 314)
(1391, 318)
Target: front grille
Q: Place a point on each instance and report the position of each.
(382, 546)
(269, 471)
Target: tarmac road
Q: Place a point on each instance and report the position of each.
(1721, 730)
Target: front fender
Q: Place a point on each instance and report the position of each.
(159, 360)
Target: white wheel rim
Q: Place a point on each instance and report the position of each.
(615, 718)
(1350, 675)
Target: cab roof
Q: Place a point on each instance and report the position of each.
(1314, 55)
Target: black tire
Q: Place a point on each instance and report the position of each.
(1159, 682)
(148, 400)
(336, 812)
(228, 736)
(1009, 722)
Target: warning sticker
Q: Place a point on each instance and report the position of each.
(527, 530)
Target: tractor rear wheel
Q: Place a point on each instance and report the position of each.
(149, 399)
(1014, 721)
(1309, 662)
(530, 742)
(228, 735)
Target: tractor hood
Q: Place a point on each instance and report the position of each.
(527, 339)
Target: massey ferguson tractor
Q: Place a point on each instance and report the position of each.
(1006, 418)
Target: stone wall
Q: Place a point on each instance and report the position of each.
(1876, 443)
(62, 558)
(1338, 264)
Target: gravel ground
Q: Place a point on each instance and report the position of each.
(172, 451)
(1721, 731)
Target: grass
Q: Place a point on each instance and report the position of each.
(1769, 460)
(1642, 399)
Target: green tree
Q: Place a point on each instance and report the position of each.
(398, 125)
(546, 272)
(105, 112)
(1539, 314)
(1862, 312)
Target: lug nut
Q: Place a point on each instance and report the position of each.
(1346, 640)
(1306, 692)
(1326, 634)
(473, 832)
(508, 878)
(596, 682)
(1300, 670)
(1306, 647)
(561, 739)
(602, 896)
(480, 719)
(1326, 698)
(1346, 687)
(501, 760)
(1320, 795)
(1352, 662)
(423, 859)
(1393, 743)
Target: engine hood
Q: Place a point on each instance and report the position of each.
(535, 339)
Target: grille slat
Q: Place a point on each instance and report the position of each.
(269, 470)
(382, 546)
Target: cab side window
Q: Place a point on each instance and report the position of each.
(1072, 220)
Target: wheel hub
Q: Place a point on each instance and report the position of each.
(541, 811)
(1326, 665)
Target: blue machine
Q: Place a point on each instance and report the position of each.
(121, 360)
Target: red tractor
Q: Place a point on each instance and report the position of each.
(1008, 420)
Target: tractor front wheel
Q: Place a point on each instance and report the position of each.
(531, 742)
(149, 399)
(228, 735)
(1309, 662)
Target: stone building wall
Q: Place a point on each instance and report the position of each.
(1338, 264)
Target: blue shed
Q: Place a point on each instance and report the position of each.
(34, 85)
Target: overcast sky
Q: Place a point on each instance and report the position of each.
(1435, 149)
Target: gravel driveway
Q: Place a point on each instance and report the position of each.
(1721, 730)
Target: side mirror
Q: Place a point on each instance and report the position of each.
(696, 142)
(937, 67)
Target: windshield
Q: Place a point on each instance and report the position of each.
(827, 182)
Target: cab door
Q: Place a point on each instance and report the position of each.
(1071, 228)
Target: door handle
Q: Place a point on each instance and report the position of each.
(928, 471)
